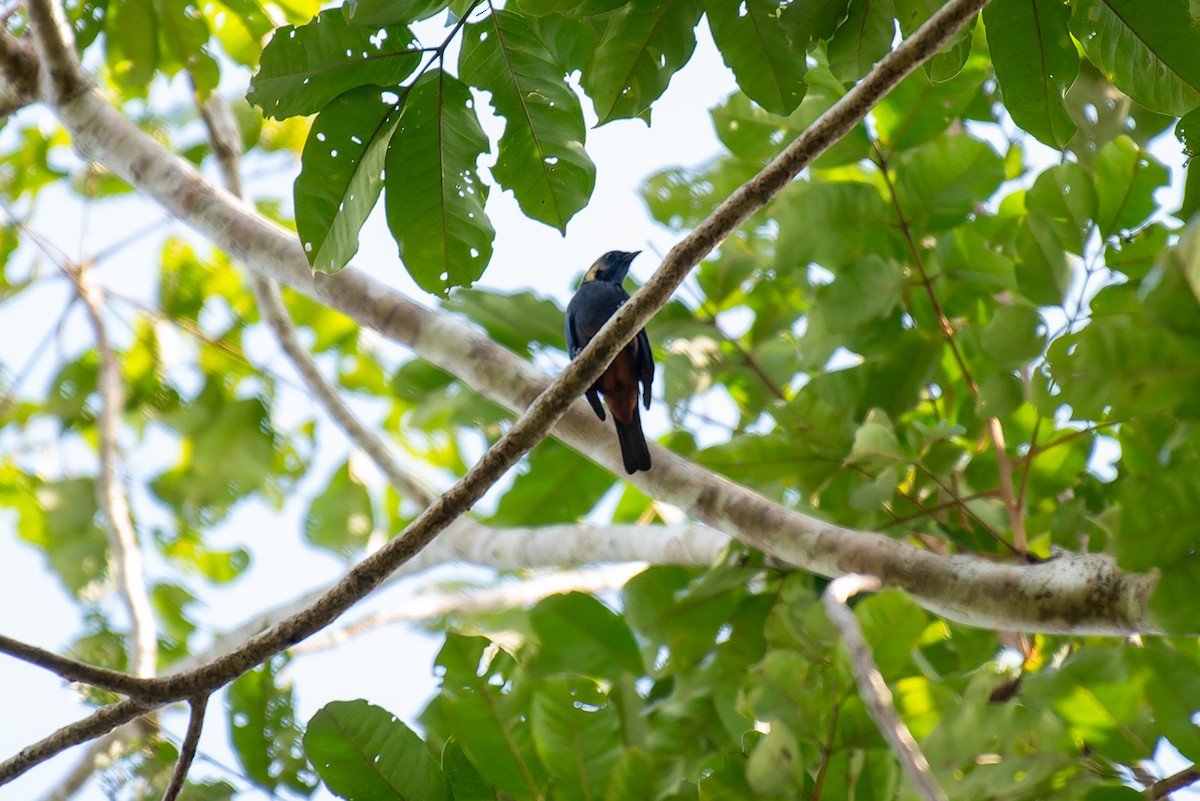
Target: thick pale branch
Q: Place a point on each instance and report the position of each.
(872, 687)
(506, 596)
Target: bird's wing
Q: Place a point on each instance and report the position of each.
(645, 365)
(574, 345)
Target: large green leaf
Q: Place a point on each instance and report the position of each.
(645, 43)
(377, 14)
(862, 39)
(754, 45)
(305, 67)
(1126, 178)
(434, 195)
(541, 157)
(480, 705)
(580, 635)
(1147, 49)
(559, 486)
(341, 174)
(363, 752)
(1036, 62)
(577, 734)
(941, 182)
(520, 321)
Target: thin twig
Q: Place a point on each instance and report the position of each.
(1016, 516)
(1176, 781)
(872, 687)
(73, 670)
(110, 495)
(187, 751)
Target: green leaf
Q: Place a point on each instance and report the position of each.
(186, 34)
(1014, 336)
(517, 320)
(943, 181)
(1065, 193)
(541, 157)
(364, 752)
(340, 518)
(341, 173)
(377, 14)
(646, 42)
(577, 734)
(776, 765)
(131, 42)
(466, 783)
(1036, 62)
(580, 635)
(1042, 271)
(754, 45)
(892, 624)
(434, 195)
(862, 39)
(305, 67)
(262, 724)
(1126, 179)
(559, 486)
(59, 518)
(1120, 364)
(864, 290)
(486, 714)
(1148, 50)
(918, 110)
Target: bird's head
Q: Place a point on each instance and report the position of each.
(612, 266)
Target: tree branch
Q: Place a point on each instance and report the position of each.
(73, 670)
(100, 722)
(187, 751)
(872, 687)
(506, 596)
(1176, 781)
(110, 495)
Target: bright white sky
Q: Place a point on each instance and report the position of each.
(390, 667)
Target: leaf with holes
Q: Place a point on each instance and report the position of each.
(755, 46)
(646, 42)
(434, 197)
(305, 67)
(541, 157)
(341, 174)
(862, 39)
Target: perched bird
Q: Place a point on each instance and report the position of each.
(598, 298)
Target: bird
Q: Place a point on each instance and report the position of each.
(598, 298)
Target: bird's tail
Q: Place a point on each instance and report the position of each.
(634, 451)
